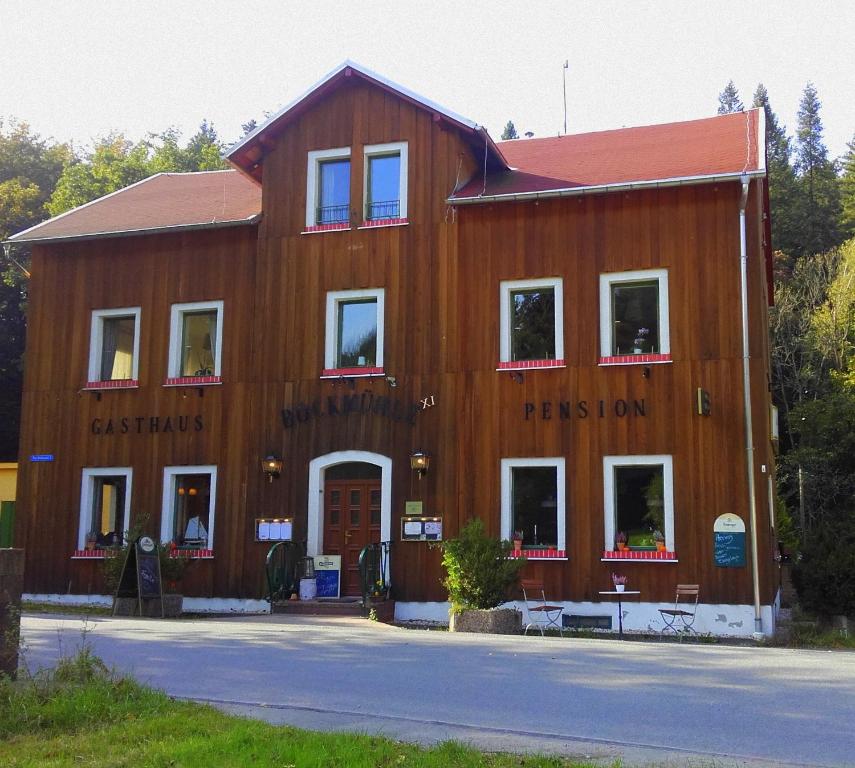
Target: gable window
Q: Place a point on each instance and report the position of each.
(530, 316)
(534, 506)
(639, 506)
(114, 344)
(385, 187)
(328, 190)
(354, 333)
(189, 501)
(634, 317)
(195, 343)
(105, 507)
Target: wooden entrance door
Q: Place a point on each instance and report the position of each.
(351, 521)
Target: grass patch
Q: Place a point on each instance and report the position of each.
(804, 635)
(82, 714)
(76, 610)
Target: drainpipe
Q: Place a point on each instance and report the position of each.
(746, 395)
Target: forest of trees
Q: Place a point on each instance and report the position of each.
(812, 199)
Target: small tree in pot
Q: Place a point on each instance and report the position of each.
(479, 575)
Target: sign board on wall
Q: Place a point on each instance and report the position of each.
(421, 529)
(328, 575)
(729, 541)
(273, 529)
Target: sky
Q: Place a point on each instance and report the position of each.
(75, 70)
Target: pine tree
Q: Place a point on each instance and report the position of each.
(818, 186)
(781, 178)
(847, 192)
(510, 131)
(728, 100)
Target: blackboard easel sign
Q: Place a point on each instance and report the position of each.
(140, 577)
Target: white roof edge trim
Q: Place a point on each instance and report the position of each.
(14, 238)
(595, 188)
(254, 219)
(761, 139)
(368, 73)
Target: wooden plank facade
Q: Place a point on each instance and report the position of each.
(441, 274)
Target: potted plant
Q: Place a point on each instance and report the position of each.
(660, 540)
(480, 572)
(517, 540)
(640, 341)
(619, 582)
(620, 541)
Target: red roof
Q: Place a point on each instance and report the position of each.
(714, 146)
(165, 201)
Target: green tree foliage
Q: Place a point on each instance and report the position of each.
(115, 163)
(783, 191)
(728, 100)
(847, 191)
(818, 186)
(510, 131)
(29, 169)
(824, 577)
(479, 572)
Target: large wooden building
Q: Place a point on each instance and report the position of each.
(573, 329)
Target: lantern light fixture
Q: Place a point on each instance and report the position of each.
(271, 465)
(420, 462)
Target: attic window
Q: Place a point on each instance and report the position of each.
(328, 189)
(385, 183)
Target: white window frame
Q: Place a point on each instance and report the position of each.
(507, 465)
(610, 463)
(316, 157)
(87, 486)
(607, 280)
(96, 339)
(168, 508)
(378, 150)
(334, 298)
(176, 328)
(505, 289)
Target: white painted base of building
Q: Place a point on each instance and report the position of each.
(191, 604)
(711, 619)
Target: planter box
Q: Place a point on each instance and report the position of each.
(495, 621)
(128, 606)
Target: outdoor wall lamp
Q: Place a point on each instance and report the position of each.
(271, 466)
(420, 462)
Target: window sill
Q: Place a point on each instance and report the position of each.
(645, 359)
(97, 386)
(192, 381)
(94, 554)
(192, 554)
(351, 373)
(316, 228)
(529, 365)
(634, 556)
(540, 554)
(373, 224)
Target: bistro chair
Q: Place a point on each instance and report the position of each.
(541, 615)
(681, 617)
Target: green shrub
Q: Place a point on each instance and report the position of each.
(824, 576)
(479, 571)
(171, 568)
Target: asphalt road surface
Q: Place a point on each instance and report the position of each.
(646, 703)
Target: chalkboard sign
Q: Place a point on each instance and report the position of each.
(729, 541)
(140, 577)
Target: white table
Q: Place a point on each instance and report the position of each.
(620, 596)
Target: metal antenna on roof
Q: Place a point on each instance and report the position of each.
(566, 67)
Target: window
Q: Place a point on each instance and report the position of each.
(533, 504)
(634, 317)
(189, 496)
(105, 507)
(354, 332)
(195, 345)
(114, 345)
(328, 189)
(532, 330)
(385, 187)
(639, 502)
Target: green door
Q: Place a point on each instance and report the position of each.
(7, 523)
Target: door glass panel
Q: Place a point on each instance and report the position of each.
(335, 498)
(354, 517)
(334, 517)
(375, 517)
(354, 498)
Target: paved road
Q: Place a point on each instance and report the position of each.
(644, 702)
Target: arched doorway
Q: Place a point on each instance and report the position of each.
(350, 505)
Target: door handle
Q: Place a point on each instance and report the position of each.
(347, 535)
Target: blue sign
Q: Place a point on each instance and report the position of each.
(41, 457)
